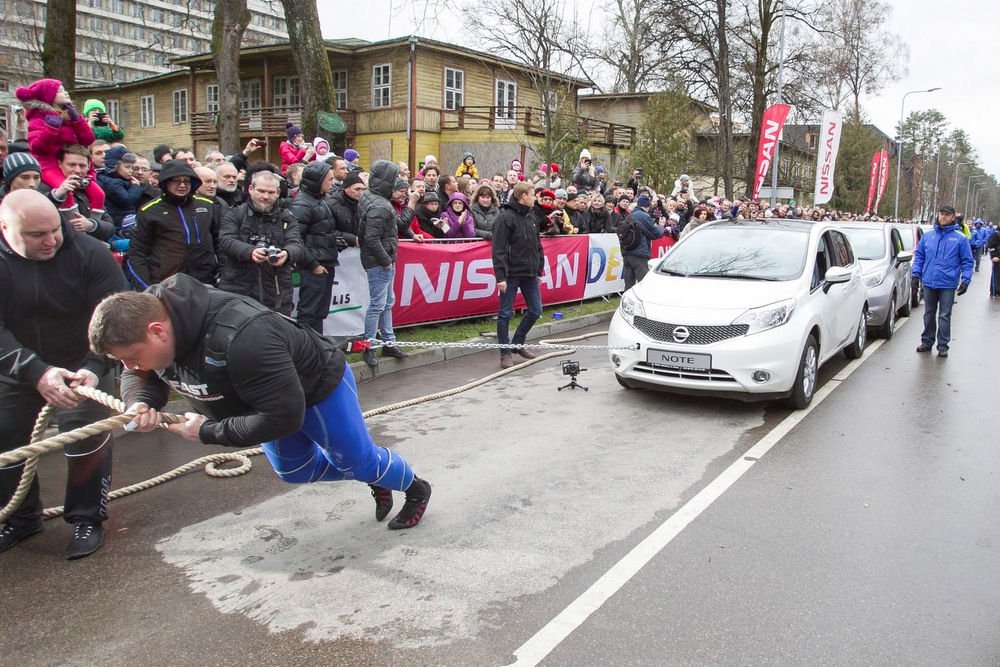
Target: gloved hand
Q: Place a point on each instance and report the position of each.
(916, 282)
(963, 288)
(54, 121)
(341, 243)
(72, 112)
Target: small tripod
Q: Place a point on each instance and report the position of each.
(572, 369)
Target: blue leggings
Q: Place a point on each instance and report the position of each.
(334, 444)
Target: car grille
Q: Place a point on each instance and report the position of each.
(698, 335)
(714, 375)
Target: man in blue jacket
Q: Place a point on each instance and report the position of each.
(637, 259)
(979, 238)
(943, 260)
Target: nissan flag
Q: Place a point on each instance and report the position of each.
(770, 132)
(883, 176)
(826, 158)
(873, 180)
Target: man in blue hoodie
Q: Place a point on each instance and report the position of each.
(943, 260)
(979, 238)
(637, 259)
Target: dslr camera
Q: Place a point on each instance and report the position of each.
(269, 248)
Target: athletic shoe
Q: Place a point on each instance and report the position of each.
(416, 503)
(87, 538)
(383, 501)
(370, 358)
(526, 353)
(394, 352)
(924, 348)
(11, 535)
(943, 354)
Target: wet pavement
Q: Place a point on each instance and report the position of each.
(867, 535)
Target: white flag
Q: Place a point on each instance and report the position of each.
(826, 157)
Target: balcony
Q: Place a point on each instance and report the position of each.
(267, 122)
(531, 121)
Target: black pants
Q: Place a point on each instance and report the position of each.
(635, 269)
(89, 478)
(315, 292)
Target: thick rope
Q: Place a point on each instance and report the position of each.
(31, 452)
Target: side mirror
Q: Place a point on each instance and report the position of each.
(903, 257)
(835, 275)
(653, 263)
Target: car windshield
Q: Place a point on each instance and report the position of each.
(867, 243)
(751, 253)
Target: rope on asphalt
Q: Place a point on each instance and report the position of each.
(38, 446)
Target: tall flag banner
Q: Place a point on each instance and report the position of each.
(873, 180)
(883, 175)
(826, 157)
(770, 132)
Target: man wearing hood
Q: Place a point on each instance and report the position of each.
(379, 242)
(176, 232)
(321, 243)
(52, 278)
(941, 262)
(260, 241)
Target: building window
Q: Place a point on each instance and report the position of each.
(212, 97)
(340, 88)
(286, 92)
(250, 95)
(114, 110)
(180, 106)
(454, 89)
(381, 86)
(147, 112)
(506, 103)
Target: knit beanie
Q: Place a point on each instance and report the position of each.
(401, 184)
(18, 163)
(292, 130)
(352, 178)
(91, 105)
(643, 201)
(585, 154)
(113, 156)
(43, 90)
(351, 155)
(320, 141)
(560, 194)
(160, 152)
(430, 159)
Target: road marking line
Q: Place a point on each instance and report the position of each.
(543, 642)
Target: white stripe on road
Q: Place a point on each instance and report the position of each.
(572, 617)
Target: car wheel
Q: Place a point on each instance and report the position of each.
(907, 307)
(805, 379)
(857, 346)
(622, 382)
(885, 331)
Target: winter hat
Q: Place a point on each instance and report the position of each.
(320, 141)
(91, 105)
(430, 196)
(516, 165)
(351, 155)
(430, 159)
(643, 201)
(599, 169)
(161, 152)
(18, 163)
(352, 178)
(572, 195)
(624, 197)
(547, 193)
(544, 168)
(585, 154)
(554, 167)
(292, 130)
(401, 184)
(114, 156)
(560, 194)
(43, 90)
(466, 155)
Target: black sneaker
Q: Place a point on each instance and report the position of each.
(943, 353)
(87, 538)
(11, 535)
(394, 352)
(416, 503)
(383, 501)
(370, 358)
(924, 348)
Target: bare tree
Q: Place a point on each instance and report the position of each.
(59, 52)
(311, 61)
(230, 22)
(629, 47)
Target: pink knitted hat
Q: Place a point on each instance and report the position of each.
(43, 90)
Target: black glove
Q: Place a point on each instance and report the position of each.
(342, 243)
(916, 282)
(963, 288)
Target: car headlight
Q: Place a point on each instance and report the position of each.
(874, 279)
(767, 317)
(630, 307)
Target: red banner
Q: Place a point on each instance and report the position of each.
(770, 132)
(883, 175)
(873, 180)
(437, 281)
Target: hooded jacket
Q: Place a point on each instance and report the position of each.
(459, 227)
(379, 240)
(122, 196)
(312, 211)
(47, 306)
(175, 235)
(517, 243)
(45, 140)
(467, 170)
(943, 258)
(345, 215)
(273, 368)
(648, 229)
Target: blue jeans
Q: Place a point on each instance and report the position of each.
(937, 317)
(315, 292)
(334, 444)
(378, 318)
(533, 299)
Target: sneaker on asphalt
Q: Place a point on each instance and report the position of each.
(87, 538)
(370, 358)
(526, 353)
(943, 354)
(416, 503)
(383, 501)
(924, 348)
(394, 352)
(11, 535)
(506, 361)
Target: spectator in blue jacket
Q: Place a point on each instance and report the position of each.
(121, 187)
(637, 259)
(979, 238)
(943, 260)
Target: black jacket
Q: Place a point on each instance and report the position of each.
(598, 222)
(319, 229)
(121, 196)
(346, 216)
(231, 199)
(175, 235)
(243, 228)
(46, 307)
(517, 244)
(274, 369)
(378, 218)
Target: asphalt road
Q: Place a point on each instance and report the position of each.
(866, 535)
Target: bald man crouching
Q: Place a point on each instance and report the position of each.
(51, 279)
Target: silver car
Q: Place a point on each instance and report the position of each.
(886, 267)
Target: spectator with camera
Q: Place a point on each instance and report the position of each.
(71, 197)
(427, 222)
(296, 149)
(584, 176)
(103, 125)
(260, 240)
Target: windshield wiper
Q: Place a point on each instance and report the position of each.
(671, 272)
(731, 276)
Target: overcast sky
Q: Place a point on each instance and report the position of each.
(952, 45)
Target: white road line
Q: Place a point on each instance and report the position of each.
(572, 617)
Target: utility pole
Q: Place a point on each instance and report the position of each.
(781, 73)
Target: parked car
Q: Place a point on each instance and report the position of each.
(910, 234)
(885, 268)
(746, 309)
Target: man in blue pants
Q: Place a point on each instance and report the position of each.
(252, 376)
(942, 262)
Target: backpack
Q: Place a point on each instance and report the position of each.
(629, 234)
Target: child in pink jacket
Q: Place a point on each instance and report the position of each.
(53, 122)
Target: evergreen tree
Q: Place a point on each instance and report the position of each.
(665, 139)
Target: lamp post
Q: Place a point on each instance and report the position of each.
(899, 146)
(968, 190)
(954, 195)
(777, 143)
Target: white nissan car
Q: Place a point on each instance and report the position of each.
(746, 309)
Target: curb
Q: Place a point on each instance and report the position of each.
(426, 357)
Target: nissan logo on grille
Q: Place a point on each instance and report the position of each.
(681, 334)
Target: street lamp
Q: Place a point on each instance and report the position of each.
(968, 189)
(954, 195)
(899, 146)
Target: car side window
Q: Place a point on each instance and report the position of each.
(822, 263)
(842, 254)
(897, 242)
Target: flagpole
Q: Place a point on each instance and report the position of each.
(777, 142)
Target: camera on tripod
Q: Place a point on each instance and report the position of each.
(572, 368)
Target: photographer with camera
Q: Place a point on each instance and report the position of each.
(584, 176)
(103, 125)
(71, 197)
(260, 241)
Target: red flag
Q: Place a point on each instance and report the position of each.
(883, 175)
(873, 180)
(770, 131)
